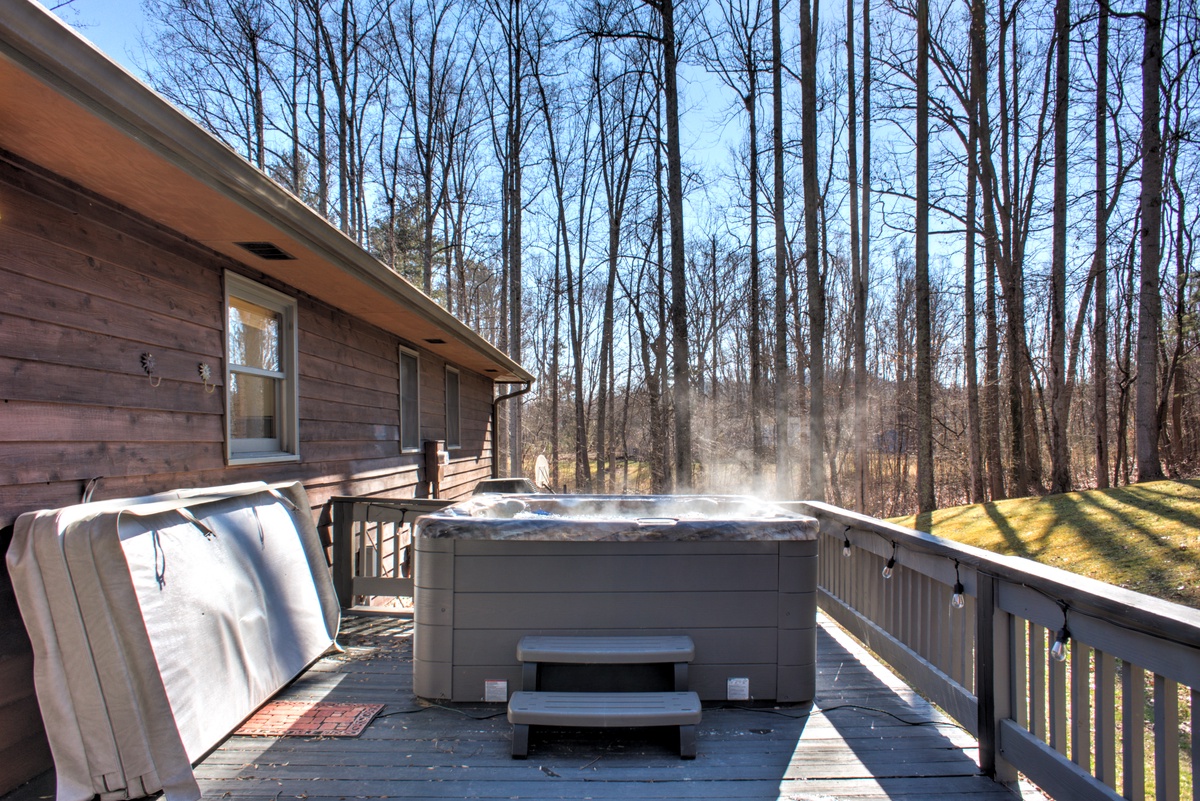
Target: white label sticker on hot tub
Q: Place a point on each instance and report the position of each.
(737, 690)
(495, 691)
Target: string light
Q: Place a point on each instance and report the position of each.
(1058, 651)
(891, 563)
(958, 600)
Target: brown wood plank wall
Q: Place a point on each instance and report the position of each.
(87, 288)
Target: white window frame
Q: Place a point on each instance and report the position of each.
(286, 447)
(403, 351)
(454, 371)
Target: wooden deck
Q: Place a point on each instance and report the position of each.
(870, 737)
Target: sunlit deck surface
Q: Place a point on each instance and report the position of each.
(869, 736)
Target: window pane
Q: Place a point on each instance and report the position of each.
(410, 419)
(252, 406)
(254, 335)
(452, 416)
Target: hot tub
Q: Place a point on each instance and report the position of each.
(736, 574)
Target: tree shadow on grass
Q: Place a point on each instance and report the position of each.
(1012, 538)
(1131, 546)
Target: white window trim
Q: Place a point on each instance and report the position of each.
(403, 351)
(458, 411)
(289, 353)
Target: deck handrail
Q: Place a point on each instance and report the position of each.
(988, 664)
(370, 541)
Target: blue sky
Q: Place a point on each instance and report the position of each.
(111, 25)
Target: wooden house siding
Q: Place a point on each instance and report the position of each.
(88, 287)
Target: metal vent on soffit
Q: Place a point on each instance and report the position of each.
(266, 250)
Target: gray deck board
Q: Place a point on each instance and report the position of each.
(838, 750)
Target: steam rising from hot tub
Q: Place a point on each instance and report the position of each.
(633, 507)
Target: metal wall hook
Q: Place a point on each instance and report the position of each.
(206, 376)
(149, 366)
(90, 488)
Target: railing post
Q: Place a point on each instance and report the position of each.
(343, 552)
(993, 676)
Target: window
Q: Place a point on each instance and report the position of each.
(453, 425)
(260, 373)
(410, 401)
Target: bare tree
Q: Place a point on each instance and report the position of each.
(814, 274)
(1100, 259)
(1149, 466)
(858, 283)
(925, 491)
(622, 118)
(783, 462)
(1060, 465)
(215, 63)
(970, 334)
(680, 347)
(424, 37)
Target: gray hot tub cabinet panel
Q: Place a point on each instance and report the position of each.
(737, 600)
(614, 609)
(600, 572)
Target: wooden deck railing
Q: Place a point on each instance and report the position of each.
(1103, 724)
(370, 539)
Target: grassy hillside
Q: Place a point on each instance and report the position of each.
(1144, 537)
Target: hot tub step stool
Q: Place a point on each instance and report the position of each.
(534, 650)
(531, 707)
(604, 710)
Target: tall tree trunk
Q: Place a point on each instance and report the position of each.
(816, 284)
(970, 338)
(606, 325)
(661, 434)
(993, 456)
(756, 372)
(555, 400)
(988, 186)
(681, 367)
(1125, 365)
(1007, 259)
(714, 365)
(294, 102)
(515, 439)
(322, 121)
(562, 246)
(856, 280)
(1100, 260)
(1060, 454)
(607, 355)
(1149, 466)
(783, 462)
(864, 268)
(925, 494)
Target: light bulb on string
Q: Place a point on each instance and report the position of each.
(958, 600)
(846, 542)
(889, 568)
(1058, 651)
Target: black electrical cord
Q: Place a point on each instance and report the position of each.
(428, 707)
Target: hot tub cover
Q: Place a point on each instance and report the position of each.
(160, 623)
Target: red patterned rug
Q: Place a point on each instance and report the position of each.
(309, 719)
